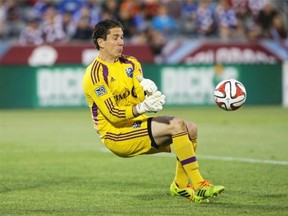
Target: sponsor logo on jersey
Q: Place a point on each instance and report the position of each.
(129, 72)
(122, 96)
(100, 91)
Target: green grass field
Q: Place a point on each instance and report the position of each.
(52, 163)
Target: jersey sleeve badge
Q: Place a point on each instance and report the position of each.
(100, 91)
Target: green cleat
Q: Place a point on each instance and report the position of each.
(187, 193)
(207, 190)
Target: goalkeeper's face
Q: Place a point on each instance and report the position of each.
(113, 45)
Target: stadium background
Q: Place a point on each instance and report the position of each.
(186, 46)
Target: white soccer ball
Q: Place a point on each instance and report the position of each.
(230, 94)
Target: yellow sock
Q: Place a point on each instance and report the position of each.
(181, 178)
(195, 144)
(185, 153)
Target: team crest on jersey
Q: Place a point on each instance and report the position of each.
(137, 124)
(100, 91)
(129, 72)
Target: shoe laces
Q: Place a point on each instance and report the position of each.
(190, 186)
(206, 183)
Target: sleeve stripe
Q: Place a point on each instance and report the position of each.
(105, 73)
(98, 72)
(95, 72)
(116, 112)
(92, 71)
(94, 110)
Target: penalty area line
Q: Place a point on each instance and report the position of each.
(223, 158)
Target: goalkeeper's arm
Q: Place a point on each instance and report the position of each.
(152, 103)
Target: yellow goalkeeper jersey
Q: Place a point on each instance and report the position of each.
(111, 89)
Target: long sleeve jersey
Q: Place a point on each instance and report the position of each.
(111, 90)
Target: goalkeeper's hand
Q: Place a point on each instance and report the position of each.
(148, 85)
(152, 103)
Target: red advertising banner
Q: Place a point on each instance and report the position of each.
(66, 54)
(248, 53)
(174, 52)
(203, 52)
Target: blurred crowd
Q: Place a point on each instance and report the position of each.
(145, 21)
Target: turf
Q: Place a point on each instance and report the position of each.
(52, 163)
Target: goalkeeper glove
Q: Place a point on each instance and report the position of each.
(148, 85)
(152, 103)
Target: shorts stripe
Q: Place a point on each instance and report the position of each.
(126, 136)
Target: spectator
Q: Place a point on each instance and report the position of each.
(139, 37)
(110, 7)
(277, 31)
(69, 6)
(40, 7)
(256, 5)
(252, 19)
(151, 8)
(13, 22)
(245, 19)
(3, 18)
(173, 8)
(51, 27)
(164, 23)
(31, 34)
(83, 31)
(127, 23)
(265, 17)
(68, 24)
(188, 16)
(106, 15)
(155, 40)
(227, 22)
(140, 21)
(205, 19)
(89, 9)
(132, 6)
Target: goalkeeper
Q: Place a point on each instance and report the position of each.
(119, 98)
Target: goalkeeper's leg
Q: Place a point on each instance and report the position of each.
(184, 151)
(181, 178)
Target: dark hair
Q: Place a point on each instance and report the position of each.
(101, 29)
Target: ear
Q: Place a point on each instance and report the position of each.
(101, 42)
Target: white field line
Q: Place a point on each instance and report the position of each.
(245, 160)
(224, 158)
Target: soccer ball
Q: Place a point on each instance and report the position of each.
(230, 94)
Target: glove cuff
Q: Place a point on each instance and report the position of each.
(140, 108)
